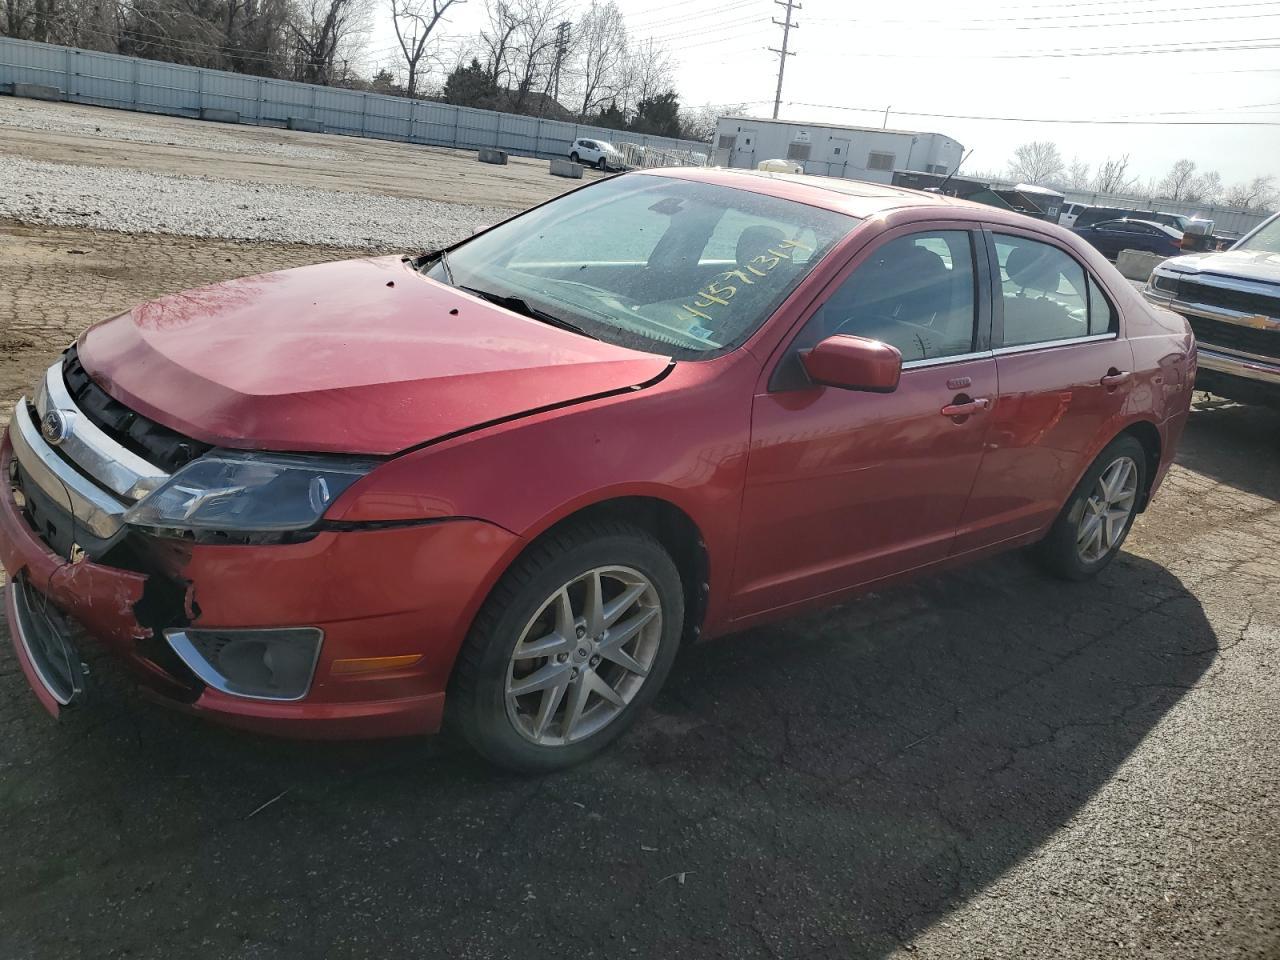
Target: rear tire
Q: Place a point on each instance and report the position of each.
(574, 157)
(545, 679)
(1096, 519)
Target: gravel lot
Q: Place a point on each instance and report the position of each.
(134, 201)
(988, 764)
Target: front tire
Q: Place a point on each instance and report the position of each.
(602, 164)
(1096, 519)
(574, 642)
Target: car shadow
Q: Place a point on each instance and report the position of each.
(1236, 444)
(828, 786)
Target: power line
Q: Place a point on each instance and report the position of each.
(1262, 43)
(787, 26)
(648, 21)
(682, 29)
(1008, 21)
(997, 26)
(963, 116)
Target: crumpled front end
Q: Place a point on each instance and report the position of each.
(365, 621)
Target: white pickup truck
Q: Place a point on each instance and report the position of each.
(1232, 301)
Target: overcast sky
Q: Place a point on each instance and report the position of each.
(1039, 60)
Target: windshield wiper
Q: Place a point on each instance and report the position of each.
(523, 307)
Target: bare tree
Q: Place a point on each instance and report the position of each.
(601, 40)
(1077, 176)
(415, 21)
(1036, 162)
(1113, 175)
(1179, 181)
(699, 123)
(646, 72)
(320, 30)
(1256, 194)
(533, 47)
(497, 39)
(1207, 188)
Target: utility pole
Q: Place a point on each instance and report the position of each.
(787, 26)
(562, 51)
(885, 125)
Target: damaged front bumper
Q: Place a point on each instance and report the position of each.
(394, 605)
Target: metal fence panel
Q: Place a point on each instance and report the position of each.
(167, 88)
(100, 78)
(130, 83)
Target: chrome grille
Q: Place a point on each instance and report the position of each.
(74, 463)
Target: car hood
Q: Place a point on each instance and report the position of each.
(1256, 265)
(361, 356)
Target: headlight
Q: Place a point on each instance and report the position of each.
(248, 492)
(1164, 282)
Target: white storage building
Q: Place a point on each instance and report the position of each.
(858, 153)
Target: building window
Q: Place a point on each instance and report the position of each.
(798, 151)
(727, 141)
(936, 168)
(880, 161)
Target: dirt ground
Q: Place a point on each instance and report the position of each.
(987, 764)
(55, 282)
(106, 138)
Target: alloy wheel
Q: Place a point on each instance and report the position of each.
(1106, 513)
(583, 656)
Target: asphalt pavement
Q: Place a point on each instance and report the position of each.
(985, 764)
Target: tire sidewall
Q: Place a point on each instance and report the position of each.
(573, 157)
(488, 726)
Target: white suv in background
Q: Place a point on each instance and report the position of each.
(596, 153)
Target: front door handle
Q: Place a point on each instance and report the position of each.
(963, 406)
(1115, 377)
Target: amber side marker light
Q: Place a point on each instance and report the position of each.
(359, 665)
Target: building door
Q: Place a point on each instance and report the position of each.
(838, 158)
(745, 155)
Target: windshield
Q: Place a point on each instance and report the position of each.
(684, 269)
(1267, 239)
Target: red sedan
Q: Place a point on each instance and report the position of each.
(502, 483)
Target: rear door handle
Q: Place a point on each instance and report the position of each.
(966, 407)
(1115, 377)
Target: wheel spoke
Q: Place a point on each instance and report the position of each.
(578, 693)
(621, 634)
(550, 703)
(542, 678)
(547, 646)
(593, 604)
(1087, 529)
(565, 620)
(602, 688)
(624, 660)
(620, 604)
(1093, 546)
(1115, 524)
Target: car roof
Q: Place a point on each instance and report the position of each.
(856, 198)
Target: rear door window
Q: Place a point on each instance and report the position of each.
(1043, 291)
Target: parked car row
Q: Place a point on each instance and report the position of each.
(1112, 237)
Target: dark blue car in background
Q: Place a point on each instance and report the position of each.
(1112, 236)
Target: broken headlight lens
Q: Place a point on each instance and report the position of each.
(248, 492)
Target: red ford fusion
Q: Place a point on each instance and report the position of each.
(500, 484)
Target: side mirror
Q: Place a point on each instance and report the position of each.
(854, 363)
